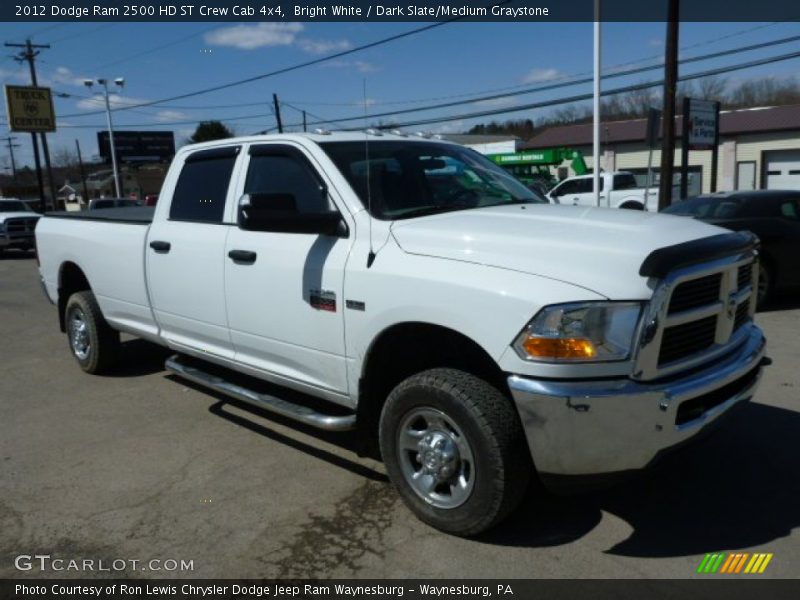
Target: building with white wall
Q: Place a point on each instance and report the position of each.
(759, 149)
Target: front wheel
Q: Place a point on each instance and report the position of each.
(92, 341)
(455, 450)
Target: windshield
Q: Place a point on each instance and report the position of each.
(401, 180)
(13, 206)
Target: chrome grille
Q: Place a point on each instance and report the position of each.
(697, 313)
(694, 293)
(745, 275)
(681, 341)
(742, 314)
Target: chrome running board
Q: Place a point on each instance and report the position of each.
(296, 412)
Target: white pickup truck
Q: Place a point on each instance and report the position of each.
(617, 190)
(416, 293)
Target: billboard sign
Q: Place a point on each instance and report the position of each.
(137, 146)
(30, 109)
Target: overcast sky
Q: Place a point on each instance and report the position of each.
(450, 62)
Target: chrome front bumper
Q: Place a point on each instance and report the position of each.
(577, 428)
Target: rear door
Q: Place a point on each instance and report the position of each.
(285, 289)
(185, 254)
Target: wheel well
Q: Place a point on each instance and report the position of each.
(632, 205)
(70, 280)
(409, 348)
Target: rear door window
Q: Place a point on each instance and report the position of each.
(203, 186)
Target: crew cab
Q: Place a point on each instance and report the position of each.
(472, 335)
(617, 190)
(17, 223)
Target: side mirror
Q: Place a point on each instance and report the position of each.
(278, 213)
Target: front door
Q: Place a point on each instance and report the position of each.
(285, 290)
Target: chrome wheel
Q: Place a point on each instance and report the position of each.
(79, 339)
(436, 458)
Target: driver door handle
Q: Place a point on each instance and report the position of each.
(247, 257)
(159, 246)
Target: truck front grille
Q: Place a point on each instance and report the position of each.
(697, 313)
(742, 314)
(682, 341)
(694, 293)
(745, 276)
(21, 225)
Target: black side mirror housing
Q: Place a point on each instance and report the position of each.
(278, 213)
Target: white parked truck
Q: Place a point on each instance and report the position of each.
(471, 335)
(17, 223)
(617, 190)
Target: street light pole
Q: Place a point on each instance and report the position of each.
(596, 106)
(104, 82)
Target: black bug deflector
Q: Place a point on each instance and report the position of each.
(660, 262)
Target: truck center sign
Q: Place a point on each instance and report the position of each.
(30, 109)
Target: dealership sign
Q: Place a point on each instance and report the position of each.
(702, 125)
(30, 109)
(133, 146)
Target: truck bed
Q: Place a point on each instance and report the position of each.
(108, 245)
(125, 214)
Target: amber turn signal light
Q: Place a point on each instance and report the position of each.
(541, 347)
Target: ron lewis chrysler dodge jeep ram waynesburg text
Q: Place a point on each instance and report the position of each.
(467, 330)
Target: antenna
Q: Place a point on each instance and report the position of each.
(371, 255)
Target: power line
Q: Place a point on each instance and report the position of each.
(565, 77)
(517, 108)
(151, 50)
(298, 66)
(543, 88)
(583, 97)
(554, 86)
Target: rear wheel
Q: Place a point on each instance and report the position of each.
(454, 448)
(92, 341)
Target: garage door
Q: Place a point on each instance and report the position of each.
(783, 170)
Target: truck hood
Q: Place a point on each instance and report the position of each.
(13, 215)
(599, 249)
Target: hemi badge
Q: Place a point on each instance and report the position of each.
(355, 305)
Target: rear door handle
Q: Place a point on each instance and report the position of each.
(162, 247)
(242, 256)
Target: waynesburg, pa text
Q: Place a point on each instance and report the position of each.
(139, 590)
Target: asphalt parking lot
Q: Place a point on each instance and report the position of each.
(139, 466)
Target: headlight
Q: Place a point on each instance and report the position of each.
(585, 332)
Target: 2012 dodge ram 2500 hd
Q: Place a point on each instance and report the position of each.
(476, 335)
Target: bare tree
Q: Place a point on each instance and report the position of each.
(711, 88)
(64, 156)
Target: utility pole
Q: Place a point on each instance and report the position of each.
(83, 173)
(304, 121)
(29, 54)
(277, 112)
(11, 145)
(670, 87)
